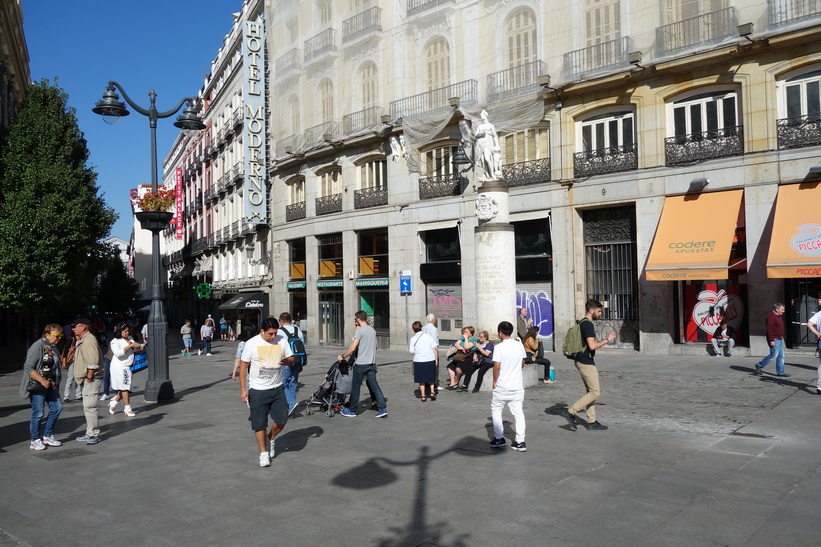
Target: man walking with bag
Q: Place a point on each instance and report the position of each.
(365, 342)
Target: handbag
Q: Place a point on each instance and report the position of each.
(140, 362)
(459, 357)
(451, 352)
(44, 369)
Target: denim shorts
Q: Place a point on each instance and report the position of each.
(187, 342)
(267, 402)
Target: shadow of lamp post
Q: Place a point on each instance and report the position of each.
(158, 387)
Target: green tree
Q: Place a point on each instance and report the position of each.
(117, 292)
(52, 216)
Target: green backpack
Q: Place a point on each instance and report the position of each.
(573, 343)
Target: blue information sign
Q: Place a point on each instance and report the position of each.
(405, 281)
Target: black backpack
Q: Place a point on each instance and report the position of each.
(297, 348)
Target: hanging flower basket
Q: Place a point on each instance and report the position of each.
(156, 221)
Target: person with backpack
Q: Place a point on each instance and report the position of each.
(585, 364)
(290, 375)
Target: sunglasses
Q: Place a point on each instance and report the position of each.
(56, 335)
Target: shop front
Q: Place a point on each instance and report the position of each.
(700, 246)
(374, 299)
(248, 308)
(795, 256)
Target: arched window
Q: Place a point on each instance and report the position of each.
(520, 38)
(369, 82)
(292, 123)
(326, 100)
(437, 64)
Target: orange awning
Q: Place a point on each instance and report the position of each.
(694, 237)
(795, 246)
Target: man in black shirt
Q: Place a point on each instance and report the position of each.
(587, 368)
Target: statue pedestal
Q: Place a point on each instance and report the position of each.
(495, 259)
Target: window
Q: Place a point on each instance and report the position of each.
(602, 21)
(532, 239)
(330, 255)
(324, 14)
(292, 122)
(607, 133)
(708, 115)
(330, 183)
(437, 161)
(296, 256)
(373, 253)
(442, 245)
(369, 82)
(374, 174)
(528, 145)
(296, 191)
(437, 64)
(675, 11)
(520, 37)
(326, 100)
(802, 98)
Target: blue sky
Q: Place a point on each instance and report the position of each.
(163, 45)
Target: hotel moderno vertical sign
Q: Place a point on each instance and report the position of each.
(253, 134)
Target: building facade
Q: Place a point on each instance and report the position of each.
(654, 152)
(15, 76)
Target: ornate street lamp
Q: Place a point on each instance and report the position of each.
(158, 387)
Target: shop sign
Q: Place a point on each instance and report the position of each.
(365, 282)
(332, 284)
(295, 285)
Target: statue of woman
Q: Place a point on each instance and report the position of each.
(488, 151)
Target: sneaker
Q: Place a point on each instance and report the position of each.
(199, 352)
(498, 443)
(475, 390)
(92, 440)
(291, 409)
(717, 355)
(784, 375)
(51, 441)
(729, 355)
(596, 426)
(382, 413)
(183, 352)
(348, 413)
(521, 447)
(571, 419)
(757, 371)
(83, 439)
(66, 400)
(37, 444)
(207, 354)
(264, 459)
(103, 397)
(271, 448)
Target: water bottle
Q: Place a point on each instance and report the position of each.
(552, 374)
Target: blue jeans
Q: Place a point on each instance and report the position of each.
(38, 402)
(368, 372)
(206, 345)
(777, 351)
(290, 379)
(107, 377)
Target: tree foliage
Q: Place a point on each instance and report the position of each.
(52, 216)
(117, 292)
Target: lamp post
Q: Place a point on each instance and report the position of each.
(158, 387)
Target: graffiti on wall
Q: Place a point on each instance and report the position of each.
(445, 302)
(539, 308)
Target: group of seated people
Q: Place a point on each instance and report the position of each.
(471, 354)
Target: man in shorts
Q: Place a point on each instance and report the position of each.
(261, 370)
(186, 338)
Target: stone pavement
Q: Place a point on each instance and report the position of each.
(699, 452)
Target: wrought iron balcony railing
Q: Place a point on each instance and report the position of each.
(295, 211)
(788, 12)
(702, 30)
(209, 194)
(320, 133)
(361, 24)
(418, 6)
(359, 120)
(286, 142)
(439, 186)
(596, 58)
(526, 172)
(515, 81)
(237, 171)
(707, 145)
(606, 160)
(287, 63)
(238, 116)
(799, 131)
(370, 197)
(329, 204)
(435, 99)
(319, 45)
(235, 229)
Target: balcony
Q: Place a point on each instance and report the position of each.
(439, 186)
(321, 133)
(418, 6)
(287, 63)
(198, 246)
(219, 187)
(329, 204)
(237, 172)
(703, 30)
(370, 197)
(359, 120)
(362, 24)
(199, 202)
(596, 58)
(226, 233)
(208, 195)
(246, 228)
(789, 12)
(515, 81)
(435, 99)
(220, 138)
(295, 211)
(320, 45)
(235, 229)
(286, 142)
(606, 160)
(526, 172)
(209, 150)
(799, 132)
(237, 117)
(707, 145)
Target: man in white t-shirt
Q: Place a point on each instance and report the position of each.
(814, 325)
(508, 387)
(260, 366)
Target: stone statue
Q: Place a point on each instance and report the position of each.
(488, 150)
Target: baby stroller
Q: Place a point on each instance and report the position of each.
(331, 394)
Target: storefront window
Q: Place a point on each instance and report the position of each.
(443, 245)
(330, 256)
(296, 252)
(373, 253)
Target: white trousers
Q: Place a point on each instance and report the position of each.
(513, 400)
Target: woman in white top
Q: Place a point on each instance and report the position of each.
(423, 349)
(122, 350)
(206, 332)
